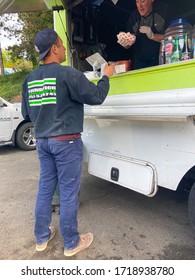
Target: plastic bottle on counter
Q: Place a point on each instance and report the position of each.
(186, 49)
(168, 49)
(193, 43)
(176, 55)
(193, 53)
(179, 27)
(162, 53)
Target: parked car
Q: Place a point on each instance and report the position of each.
(14, 130)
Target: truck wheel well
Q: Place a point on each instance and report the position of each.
(15, 133)
(186, 192)
(187, 181)
(21, 124)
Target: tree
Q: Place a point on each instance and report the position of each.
(7, 61)
(28, 24)
(1, 62)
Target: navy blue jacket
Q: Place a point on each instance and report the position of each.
(53, 96)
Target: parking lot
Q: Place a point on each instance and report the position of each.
(126, 225)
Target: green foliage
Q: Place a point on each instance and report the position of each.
(17, 64)
(23, 54)
(11, 85)
(7, 61)
(23, 65)
(28, 24)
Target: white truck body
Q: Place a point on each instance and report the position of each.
(148, 137)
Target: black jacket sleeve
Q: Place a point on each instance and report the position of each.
(86, 92)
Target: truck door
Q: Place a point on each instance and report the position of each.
(5, 121)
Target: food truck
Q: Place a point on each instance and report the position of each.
(143, 136)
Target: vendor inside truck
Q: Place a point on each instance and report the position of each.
(103, 20)
(148, 23)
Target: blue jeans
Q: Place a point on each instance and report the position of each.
(60, 162)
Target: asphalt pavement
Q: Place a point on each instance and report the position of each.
(126, 225)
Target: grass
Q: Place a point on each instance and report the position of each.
(11, 85)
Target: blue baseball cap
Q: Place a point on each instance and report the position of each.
(44, 39)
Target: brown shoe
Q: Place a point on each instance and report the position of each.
(85, 241)
(43, 246)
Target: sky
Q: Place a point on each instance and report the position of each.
(5, 41)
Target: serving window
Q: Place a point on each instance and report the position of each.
(95, 24)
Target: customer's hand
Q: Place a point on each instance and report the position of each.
(148, 31)
(108, 70)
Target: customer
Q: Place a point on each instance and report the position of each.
(148, 23)
(53, 98)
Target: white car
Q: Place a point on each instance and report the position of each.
(14, 130)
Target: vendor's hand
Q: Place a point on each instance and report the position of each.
(125, 43)
(108, 70)
(126, 40)
(148, 31)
